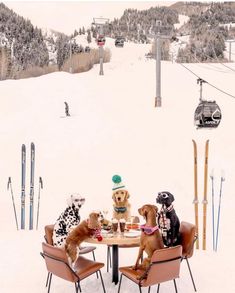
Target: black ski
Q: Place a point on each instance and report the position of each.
(31, 197)
(23, 169)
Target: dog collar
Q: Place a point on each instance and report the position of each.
(148, 229)
(167, 209)
(120, 209)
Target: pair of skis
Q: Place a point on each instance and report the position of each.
(31, 195)
(216, 234)
(204, 202)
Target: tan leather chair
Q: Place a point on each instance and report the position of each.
(188, 238)
(136, 220)
(48, 237)
(57, 264)
(164, 266)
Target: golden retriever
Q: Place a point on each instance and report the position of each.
(121, 205)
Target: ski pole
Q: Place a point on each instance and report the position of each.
(9, 185)
(218, 218)
(213, 206)
(39, 191)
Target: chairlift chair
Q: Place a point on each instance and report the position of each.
(207, 114)
(100, 40)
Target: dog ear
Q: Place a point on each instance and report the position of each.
(93, 222)
(113, 196)
(127, 194)
(172, 197)
(155, 208)
(70, 200)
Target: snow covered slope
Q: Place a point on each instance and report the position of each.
(115, 129)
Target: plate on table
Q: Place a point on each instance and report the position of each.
(132, 234)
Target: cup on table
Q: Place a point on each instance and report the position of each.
(114, 225)
(122, 224)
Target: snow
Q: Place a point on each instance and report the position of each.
(114, 128)
(182, 20)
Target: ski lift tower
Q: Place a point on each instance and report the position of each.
(101, 25)
(160, 32)
(230, 49)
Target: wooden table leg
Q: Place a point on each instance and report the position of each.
(115, 264)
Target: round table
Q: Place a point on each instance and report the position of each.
(115, 240)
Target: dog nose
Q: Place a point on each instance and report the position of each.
(119, 198)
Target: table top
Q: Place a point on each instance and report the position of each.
(126, 239)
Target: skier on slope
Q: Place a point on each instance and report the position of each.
(66, 109)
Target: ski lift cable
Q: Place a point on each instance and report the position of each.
(215, 87)
(209, 64)
(213, 59)
(213, 48)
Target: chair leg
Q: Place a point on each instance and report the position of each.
(108, 253)
(79, 287)
(49, 283)
(158, 288)
(176, 291)
(191, 275)
(110, 258)
(149, 289)
(102, 282)
(119, 287)
(140, 289)
(76, 287)
(95, 260)
(48, 275)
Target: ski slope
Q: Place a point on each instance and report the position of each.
(114, 128)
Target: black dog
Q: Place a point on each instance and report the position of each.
(167, 219)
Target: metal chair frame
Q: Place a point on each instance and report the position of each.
(77, 283)
(146, 272)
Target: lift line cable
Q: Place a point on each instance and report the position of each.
(215, 87)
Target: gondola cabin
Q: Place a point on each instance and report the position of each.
(207, 114)
(100, 40)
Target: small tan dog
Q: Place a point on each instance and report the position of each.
(84, 230)
(150, 238)
(121, 205)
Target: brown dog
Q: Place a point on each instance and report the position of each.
(150, 238)
(84, 230)
(121, 206)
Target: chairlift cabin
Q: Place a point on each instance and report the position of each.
(100, 40)
(207, 114)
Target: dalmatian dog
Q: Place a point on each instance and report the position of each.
(68, 219)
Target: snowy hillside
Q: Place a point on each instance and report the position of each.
(115, 129)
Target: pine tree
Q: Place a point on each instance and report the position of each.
(89, 36)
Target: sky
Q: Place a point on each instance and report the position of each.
(66, 16)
